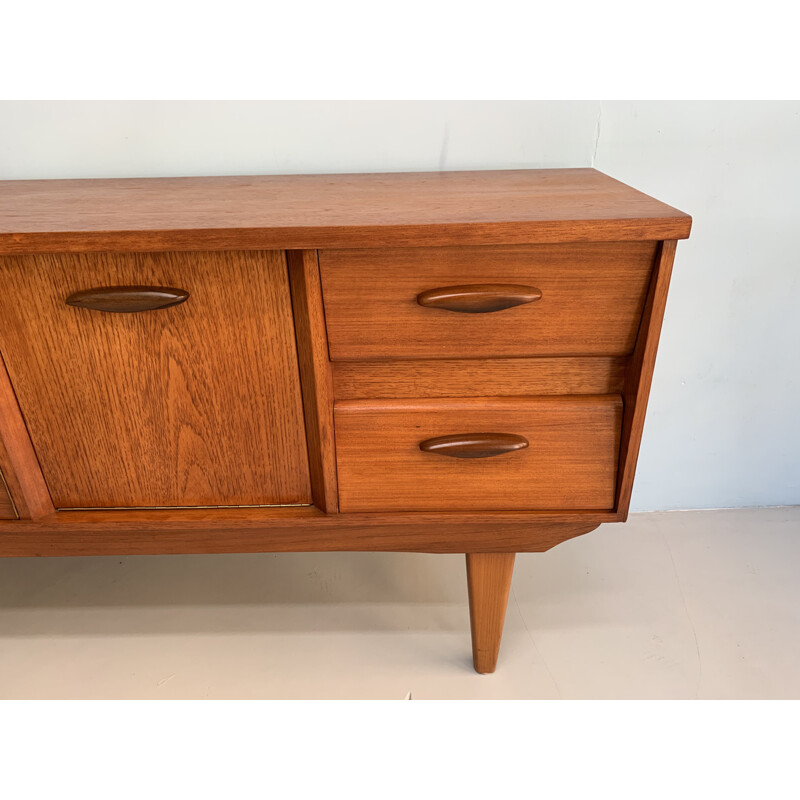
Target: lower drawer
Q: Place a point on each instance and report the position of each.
(481, 454)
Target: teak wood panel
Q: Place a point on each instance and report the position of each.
(639, 375)
(7, 510)
(301, 528)
(18, 461)
(315, 371)
(197, 404)
(364, 380)
(312, 211)
(571, 462)
(591, 303)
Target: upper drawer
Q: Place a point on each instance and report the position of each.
(591, 299)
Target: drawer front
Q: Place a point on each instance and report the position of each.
(195, 404)
(574, 299)
(569, 463)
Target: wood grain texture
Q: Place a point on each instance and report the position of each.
(571, 463)
(365, 380)
(262, 530)
(488, 583)
(7, 510)
(9, 481)
(315, 372)
(198, 404)
(639, 375)
(592, 299)
(21, 470)
(311, 211)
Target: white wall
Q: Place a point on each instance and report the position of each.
(141, 139)
(723, 423)
(722, 426)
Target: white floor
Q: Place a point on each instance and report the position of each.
(671, 605)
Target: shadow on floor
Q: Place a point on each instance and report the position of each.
(218, 593)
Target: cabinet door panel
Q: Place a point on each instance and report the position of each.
(189, 405)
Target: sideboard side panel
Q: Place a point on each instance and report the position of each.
(640, 373)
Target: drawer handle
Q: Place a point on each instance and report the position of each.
(474, 445)
(127, 299)
(482, 298)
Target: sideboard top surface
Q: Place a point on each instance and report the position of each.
(318, 211)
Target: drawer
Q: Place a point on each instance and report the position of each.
(194, 404)
(568, 463)
(575, 299)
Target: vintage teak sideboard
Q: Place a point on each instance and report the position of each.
(434, 362)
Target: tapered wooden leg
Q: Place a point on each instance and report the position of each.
(488, 583)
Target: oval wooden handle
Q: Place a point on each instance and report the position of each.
(480, 298)
(474, 445)
(127, 299)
